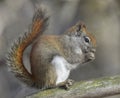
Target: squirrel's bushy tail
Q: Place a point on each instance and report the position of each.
(15, 54)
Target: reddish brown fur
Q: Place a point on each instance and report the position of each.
(15, 55)
(92, 38)
(19, 52)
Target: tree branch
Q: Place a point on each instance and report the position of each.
(97, 88)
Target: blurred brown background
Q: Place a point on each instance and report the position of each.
(102, 18)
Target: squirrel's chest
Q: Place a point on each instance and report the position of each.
(62, 70)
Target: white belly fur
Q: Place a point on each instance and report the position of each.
(62, 71)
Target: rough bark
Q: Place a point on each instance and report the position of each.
(96, 88)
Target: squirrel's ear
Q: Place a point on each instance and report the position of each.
(80, 26)
(84, 26)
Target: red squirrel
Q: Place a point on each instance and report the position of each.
(52, 56)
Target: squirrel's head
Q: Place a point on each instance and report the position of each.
(82, 44)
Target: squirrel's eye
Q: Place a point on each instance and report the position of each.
(87, 39)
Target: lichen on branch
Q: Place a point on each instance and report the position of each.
(95, 88)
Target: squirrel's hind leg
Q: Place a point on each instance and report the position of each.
(66, 84)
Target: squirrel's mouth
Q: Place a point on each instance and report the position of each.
(89, 57)
(92, 55)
